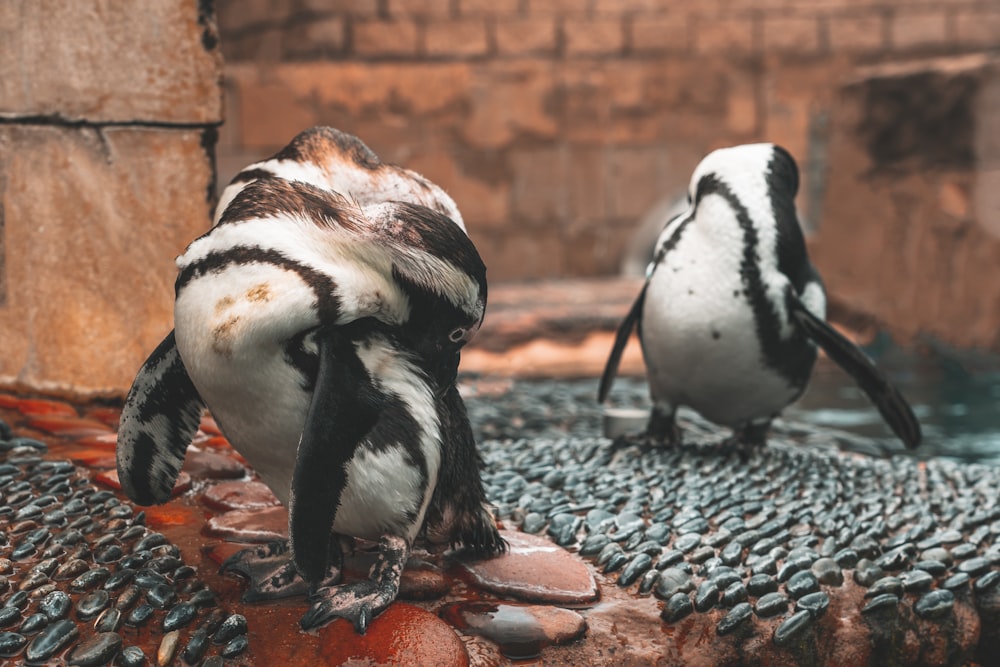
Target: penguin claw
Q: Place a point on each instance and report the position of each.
(358, 603)
(271, 573)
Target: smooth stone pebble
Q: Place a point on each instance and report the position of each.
(734, 594)
(92, 604)
(11, 644)
(957, 581)
(815, 603)
(687, 543)
(234, 625)
(196, 647)
(138, 616)
(673, 580)
(765, 565)
(593, 544)
(933, 567)
(635, 569)
(916, 580)
(9, 616)
(892, 585)
(736, 617)
(792, 626)
(678, 606)
(879, 602)
(846, 558)
(723, 577)
(801, 583)
(235, 646)
(55, 605)
(866, 572)
(161, 596)
(204, 598)
(937, 553)
(974, 566)
(98, 650)
(648, 581)
(51, 640)
(771, 604)
(132, 656)
(963, 551)
(168, 648)
(828, 572)
(179, 616)
(706, 596)
(109, 621)
(761, 584)
(935, 604)
(33, 624)
(986, 582)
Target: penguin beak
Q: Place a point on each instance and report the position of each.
(445, 371)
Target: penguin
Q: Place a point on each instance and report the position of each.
(321, 321)
(732, 310)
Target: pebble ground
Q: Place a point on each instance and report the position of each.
(792, 555)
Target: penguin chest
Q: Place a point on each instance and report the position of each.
(700, 338)
(236, 332)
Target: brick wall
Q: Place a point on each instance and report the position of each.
(108, 117)
(556, 123)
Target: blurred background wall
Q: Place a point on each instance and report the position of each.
(557, 124)
(108, 117)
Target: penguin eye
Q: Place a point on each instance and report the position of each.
(457, 336)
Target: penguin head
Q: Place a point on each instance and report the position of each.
(765, 172)
(443, 278)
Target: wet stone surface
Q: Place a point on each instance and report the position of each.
(799, 543)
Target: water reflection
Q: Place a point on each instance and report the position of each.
(955, 395)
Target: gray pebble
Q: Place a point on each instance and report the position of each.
(677, 607)
(916, 580)
(828, 572)
(706, 596)
(935, 604)
(880, 602)
(793, 626)
(801, 583)
(735, 593)
(673, 580)
(771, 604)
(734, 619)
(815, 603)
(98, 650)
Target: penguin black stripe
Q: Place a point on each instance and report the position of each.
(276, 197)
(322, 285)
(792, 358)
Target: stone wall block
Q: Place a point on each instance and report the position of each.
(90, 247)
(110, 62)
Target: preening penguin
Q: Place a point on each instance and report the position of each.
(321, 321)
(732, 310)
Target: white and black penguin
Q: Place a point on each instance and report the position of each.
(732, 309)
(321, 321)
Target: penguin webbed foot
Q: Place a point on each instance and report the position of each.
(661, 431)
(271, 573)
(747, 439)
(361, 601)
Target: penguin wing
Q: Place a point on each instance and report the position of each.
(345, 406)
(621, 339)
(886, 397)
(158, 421)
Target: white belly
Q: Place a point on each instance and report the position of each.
(233, 343)
(699, 336)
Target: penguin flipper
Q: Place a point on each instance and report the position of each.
(345, 406)
(886, 397)
(621, 339)
(158, 421)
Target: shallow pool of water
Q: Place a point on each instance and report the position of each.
(955, 395)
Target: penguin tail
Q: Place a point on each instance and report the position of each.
(621, 339)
